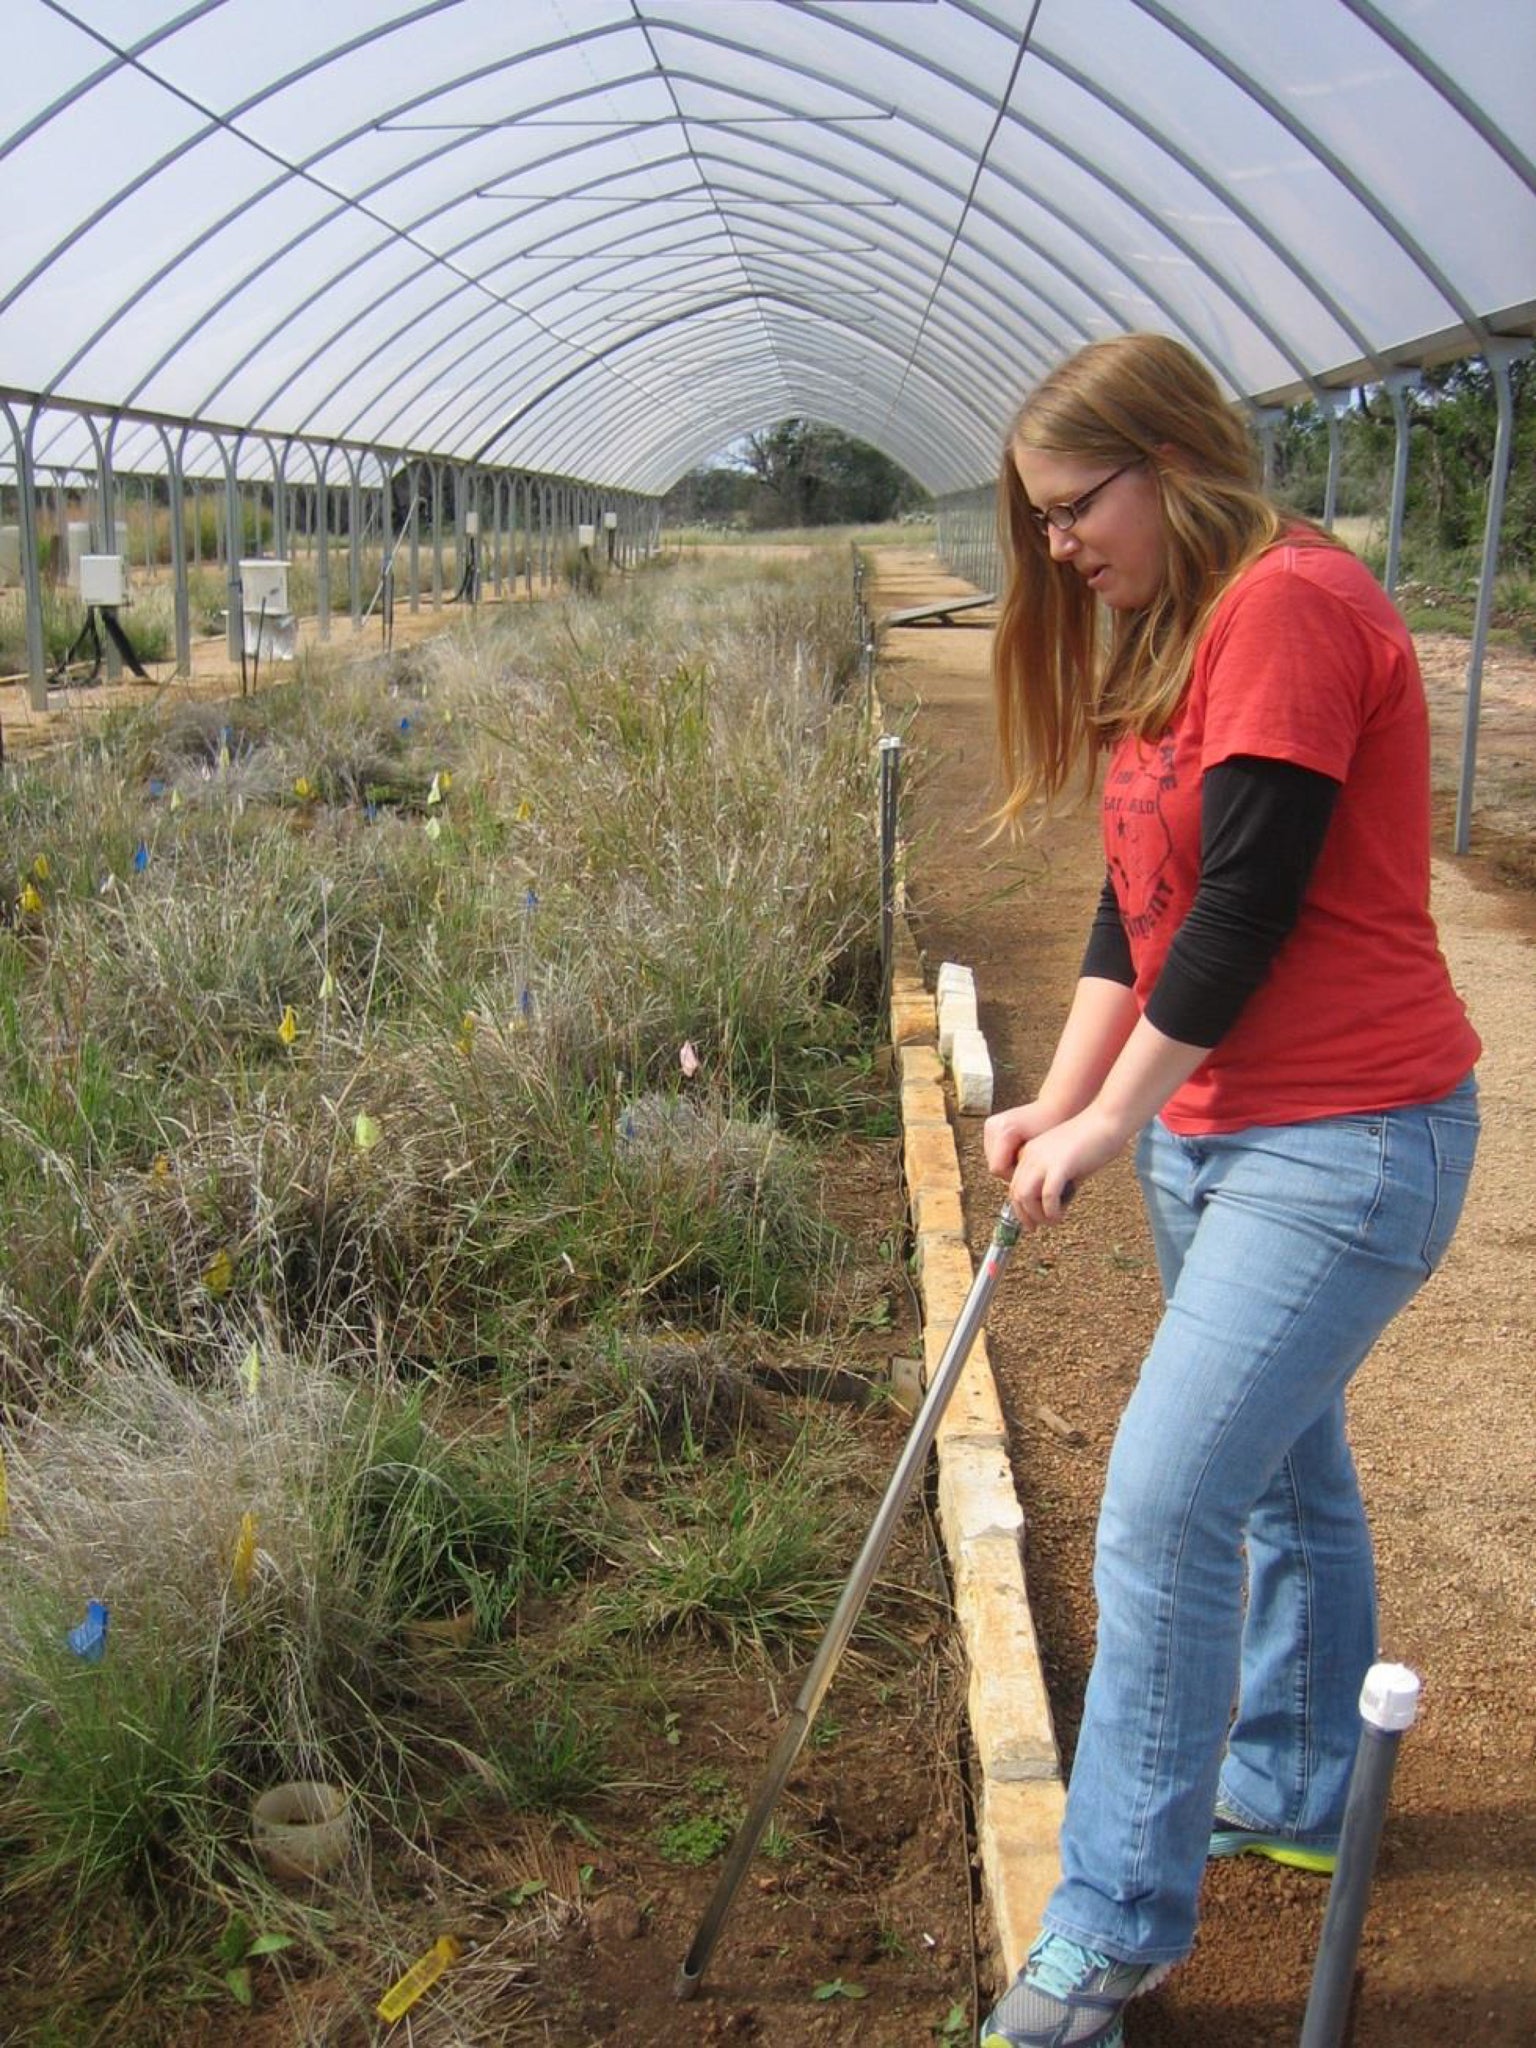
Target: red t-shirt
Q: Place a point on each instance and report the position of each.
(1305, 660)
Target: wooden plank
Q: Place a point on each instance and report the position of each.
(919, 614)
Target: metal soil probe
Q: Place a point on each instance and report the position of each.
(913, 1457)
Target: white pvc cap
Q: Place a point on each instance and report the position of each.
(1389, 1698)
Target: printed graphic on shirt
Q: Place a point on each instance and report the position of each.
(1138, 839)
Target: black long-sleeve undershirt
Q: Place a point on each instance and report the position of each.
(1262, 827)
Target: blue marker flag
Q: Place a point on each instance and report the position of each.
(140, 857)
(88, 1638)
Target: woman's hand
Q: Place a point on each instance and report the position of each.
(1101, 1018)
(1051, 1167)
(1004, 1135)
(1112, 1070)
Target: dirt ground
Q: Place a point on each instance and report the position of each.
(1441, 1416)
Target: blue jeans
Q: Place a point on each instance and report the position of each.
(1284, 1253)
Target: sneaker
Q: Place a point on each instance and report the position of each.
(1230, 1838)
(1067, 1996)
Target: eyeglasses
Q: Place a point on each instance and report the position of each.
(1065, 517)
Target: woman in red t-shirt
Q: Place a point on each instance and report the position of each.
(1264, 1011)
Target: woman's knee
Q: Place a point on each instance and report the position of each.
(1162, 1523)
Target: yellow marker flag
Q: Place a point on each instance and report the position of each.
(420, 1977)
(327, 986)
(175, 799)
(31, 903)
(365, 1132)
(40, 867)
(250, 1369)
(445, 781)
(465, 1042)
(303, 788)
(524, 811)
(288, 1030)
(219, 1273)
(435, 793)
(245, 1556)
(434, 828)
(161, 1168)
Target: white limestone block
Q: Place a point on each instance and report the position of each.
(957, 1012)
(971, 1064)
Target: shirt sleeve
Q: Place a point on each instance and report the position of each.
(1288, 669)
(1108, 955)
(1262, 827)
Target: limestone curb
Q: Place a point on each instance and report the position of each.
(1019, 1791)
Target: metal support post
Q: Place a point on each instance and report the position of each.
(281, 521)
(890, 778)
(1398, 387)
(387, 541)
(31, 573)
(413, 560)
(1498, 359)
(1329, 402)
(437, 536)
(1389, 1705)
(1266, 424)
(57, 571)
(323, 534)
(355, 540)
(175, 498)
(234, 548)
(112, 660)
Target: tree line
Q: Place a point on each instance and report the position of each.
(796, 474)
(1452, 418)
(800, 473)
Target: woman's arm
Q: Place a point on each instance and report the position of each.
(1102, 1017)
(1147, 1070)
(1263, 824)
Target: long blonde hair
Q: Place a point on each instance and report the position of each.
(1064, 686)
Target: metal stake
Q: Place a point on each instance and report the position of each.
(890, 773)
(1389, 1703)
(913, 1457)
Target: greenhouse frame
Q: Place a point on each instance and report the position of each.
(510, 271)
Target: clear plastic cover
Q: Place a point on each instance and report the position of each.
(601, 238)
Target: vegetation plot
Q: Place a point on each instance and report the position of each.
(415, 1081)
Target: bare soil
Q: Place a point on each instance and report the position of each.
(1441, 1415)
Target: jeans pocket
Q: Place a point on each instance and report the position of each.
(1454, 1141)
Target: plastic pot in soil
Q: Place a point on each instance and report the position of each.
(302, 1830)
